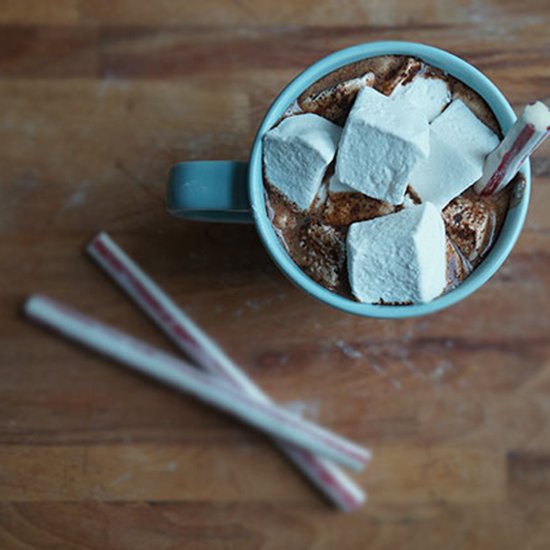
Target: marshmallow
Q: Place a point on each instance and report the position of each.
(296, 155)
(408, 201)
(445, 174)
(459, 143)
(399, 257)
(460, 127)
(382, 141)
(427, 94)
(336, 186)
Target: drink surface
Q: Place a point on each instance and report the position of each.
(316, 239)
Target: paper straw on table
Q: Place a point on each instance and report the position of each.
(181, 375)
(334, 483)
(525, 135)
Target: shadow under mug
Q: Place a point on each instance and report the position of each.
(232, 191)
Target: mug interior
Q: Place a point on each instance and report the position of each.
(454, 66)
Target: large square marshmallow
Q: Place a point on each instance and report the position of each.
(459, 126)
(399, 257)
(459, 144)
(427, 94)
(445, 174)
(382, 141)
(297, 153)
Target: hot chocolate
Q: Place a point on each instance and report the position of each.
(315, 235)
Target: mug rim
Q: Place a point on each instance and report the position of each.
(456, 67)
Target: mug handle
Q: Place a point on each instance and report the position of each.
(209, 191)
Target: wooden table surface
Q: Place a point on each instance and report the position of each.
(98, 99)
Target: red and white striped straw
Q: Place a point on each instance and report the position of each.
(327, 477)
(525, 135)
(183, 376)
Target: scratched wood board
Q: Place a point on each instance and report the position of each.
(99, 99)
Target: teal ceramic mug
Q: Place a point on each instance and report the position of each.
(231, 191)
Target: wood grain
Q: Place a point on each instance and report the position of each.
(27, 12)
(100, 98)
